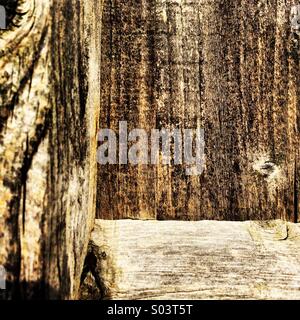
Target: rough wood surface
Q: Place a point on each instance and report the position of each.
(198, 260)
(49, 96)
(24, 115)
(227, 66)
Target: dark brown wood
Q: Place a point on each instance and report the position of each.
(228, 66)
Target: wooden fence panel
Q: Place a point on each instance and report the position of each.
(229, 67)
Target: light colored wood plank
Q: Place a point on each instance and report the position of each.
(198, 260)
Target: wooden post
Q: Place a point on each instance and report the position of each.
(50, 84)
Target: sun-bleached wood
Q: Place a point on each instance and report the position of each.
(199, 260)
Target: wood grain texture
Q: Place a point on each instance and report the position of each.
(24, 116)
(50, 104)
(227, 66)
(75, 51)
(198, 260)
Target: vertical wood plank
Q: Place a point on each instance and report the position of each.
(227, 66)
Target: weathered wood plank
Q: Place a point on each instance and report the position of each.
(49, 112)
(76, 65)
(24, 119)
(198, 260)
(227, 66)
